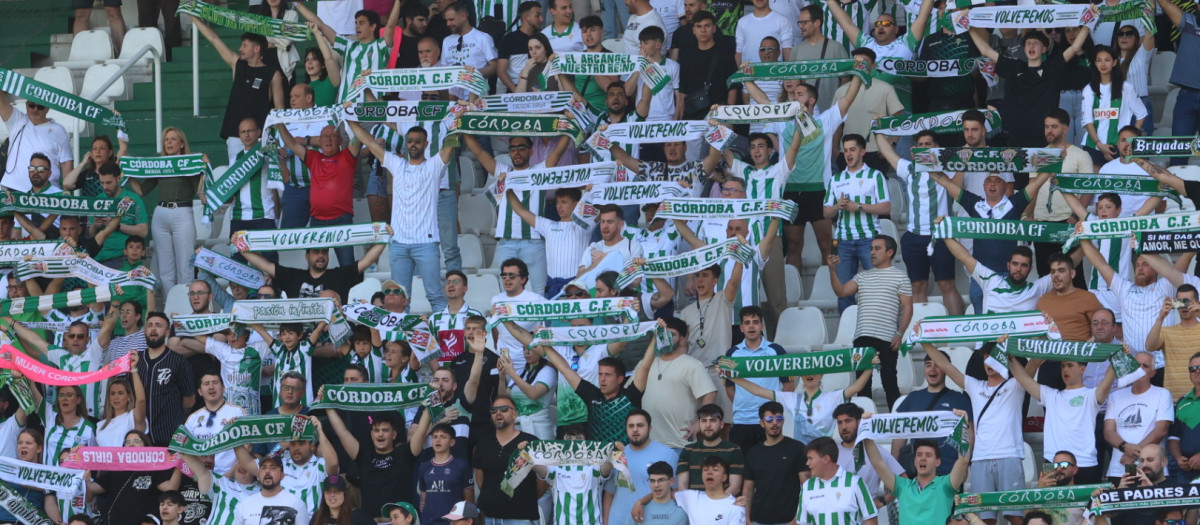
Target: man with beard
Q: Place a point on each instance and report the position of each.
(919, 504)
(612, 225)
(1179, 341)
(609, 402)
(848, 416)
(1069, 307)
(490, 461)
(1139, 416)
(212, 417)
(311, 281)
(385, 470)
(774, 471)
(272, 504)
(456, 404)
(1151, 472)
(693, 174)
(132, 223)
(933, 397)
(711, 418)
(303, 471)
(640, 454)
(415, 17)
(78, 354)
(449, 325)
(226, 491)
(887, 43)
(167, 378)
(855, 199)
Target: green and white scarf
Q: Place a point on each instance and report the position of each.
(1000, 230)
(797, 365)
(45, 477)
(1166, 242)
(978, 328)
(1156, 497)
(1141, 10)
(310, 116)
(229, 269)
(546, 311)
(912, 425)
(169, 166)
(398, 111)
(687, 263)
(542, 179)
(21, 389)
(310, 238)
(56, 326)
(608, 64)
(1012, 160)
(245, 22)
(14, 252)
(1126, 226)
(42, 303)
(694, 209)
(949, 122)
(1123, 364)
(755, 113)
(419, 79)
(87, 269)
(21, 86)
(245, 430)
(559, 453)
(280, 311)
(218, 192)
(20, 507)
(514, 124)
(63, 204)
(953, 67)
(1027, 17)
(650, 132)
(1165, 146)
(1096, 183)
(589, 335)
(533, 102)
(629, 193)
(424, 346)
(200, 324)
(374, 397)
(802, 70)
(380, 319)
(1025, 499)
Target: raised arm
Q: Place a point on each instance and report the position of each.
(844, 21)
(881, 468)
(29, 338)
(921, 24)
(1075, 204)
(1098, 261)
(416, 437)
(1018, 372)
(228, 55)
(1162, 175)
(1077, 44)
(753, 388)
(840, 289)
(485, 159)
(367, 140)
(290, 141)
(200, 473)
(641, 374)
(1105, 386)
(260, 262)
(560, 364)
(475, 344)
(1161, 265)
(688, 235)
(979, 35)
(887, 150)
(756, 93)
(556, 154)
(958, 473)
(332, 71)
(961, 253)
(389, 28)
(324, 28)
(944, 364)
(1154, 340)
(348, 440)
(374, 252)
(515, 205)
(861, 382)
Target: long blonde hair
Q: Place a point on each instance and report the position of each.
(109, 412)
(182, 138)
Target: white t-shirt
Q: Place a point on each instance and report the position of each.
(284, 508)
(1002, 421)
(703, 510)
(565, 242)
(505, 340)
(867, 472)
(9, 430)
(818, 413)
(662, 105)
(634, 28)
(669, 11)
(1139, 309)
(113, 433)
(203, 425)
(1129, 203)
(628, 248)
(477, 50)
(570, 41)
(25, 139)
(751, 30)
(1071, 423)
(1135, 416)
(588, 367)
(1000, 295)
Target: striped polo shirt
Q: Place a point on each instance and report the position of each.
(878, 297)
(842, 500)
(865, 186)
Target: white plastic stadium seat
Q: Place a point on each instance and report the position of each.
(923, 310)
(1162, 128)
(822, 295)
(845, 331)
(471, 251)
(838, 381)
(364, 290)
(96, 76)
(899, 400)
(135, 39)
(795, 287)
(177, 300)
(476, 214)
(1160, 73)
(1030, 466)
(88, 48)
(419, 303)
(481, 288)
(801, 329)
(904, 373)
(58, 77)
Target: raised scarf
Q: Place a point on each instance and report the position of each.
(1027, 17)
(14, 252)
(1097, 183)
(200, 324)
(13, 359)
(122, 459)
(218, 192)
(87, 269)
(1165, 146)
(608, 64)
(1025, 499)
(542, 179)
(279, 311)
(796, 365)
(999, 229)
(1155, 497)
(61, 300)
(545, 311)
(63, 204)
(310, 238)
(630, 193)
(755, 113)
(533, 102)
(229, 269)
(696, 209)
(168, 166)
(1012, 160)
(949, 122)
(20, 507)
(398, 111)
(802, 70)
(245, 430)
(246, 22)
(380, 319)
(1126, 226)
(1124, 366)
(21, 86)
(912, 425)
(374, 397)
(952, 67)
(1166, 242)
(44, 477)
(589, 335)
(418, 79)
(558, 453)
(687, 263)
(978, 328)
(514, 124)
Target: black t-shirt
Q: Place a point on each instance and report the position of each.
(130, 495)
(407, 56)
(513, 43)
(949, 91)
(167, 380)
(250, 96)
(694, 68)
(384, 478)
(606, 417)
(489, 386)
(1077, 73)
(1029, 94)
(198, 505)
(437, 28)
(300, 283)
(775, 471)
(492, 458)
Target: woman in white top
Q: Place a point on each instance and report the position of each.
(126, 409)
(533, 392)
(1136, 51)
(1109, 103)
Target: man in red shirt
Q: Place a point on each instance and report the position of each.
(331, 188)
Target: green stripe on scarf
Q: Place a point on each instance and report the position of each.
(397, 111)
(21, 389)
(418, 79)
(169, 166)
(1096, 183)
(1025, 499)
(218, 192)
(802, 364)
(589, 335)
(310, 238)
(575, 176)
(755, 113)
(1000, 229)
(42, 303)
(380, 319)
(912, 425)
(801, 70)
(514, 124)
(1027, 17)
(20, 507)
(1126, 226)
(688, 262)
(949, 122)
(373, 397)
(629, 193)
(1142, 10)
(200, 324)
(1012, 160)
(245, 430)
(63, 204)
(954, 67)
(21, 86)
(87, 269)
(693, 208)
(245, 22)
(1124, 366)
(557, 453)
(14, 252)
(608, 64)
(622, 307)
(278, 311)
(977, 328)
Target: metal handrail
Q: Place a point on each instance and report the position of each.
(158, 118)
(196, 72)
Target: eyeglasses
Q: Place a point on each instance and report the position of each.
(501, 408)
(39, 107)
(1059, 465)
(454, 281)
(39, 169)
(134, 441)
(1194, 369)
(1127, 33)
(393, 291)
(509, 275)
(767, 49)
(884, 23)
(290, 388)
(802, 22)
(518, 148)
(76, 336)
(260, 296)
(773, 419)
(726, 191)
(195, 294)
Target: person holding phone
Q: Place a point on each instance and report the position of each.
(1177, 342)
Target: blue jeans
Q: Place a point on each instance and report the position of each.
(295, 207)
(1071, 101)
(615, 16)
(448, 228)
(256, 224)
(852, 255)
(533, 252)
(422, 259)
(345, 254)
(1148, 124)
(976, 297)
(1186, 118)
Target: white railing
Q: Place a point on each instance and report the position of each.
(196, 71)
(158, 108)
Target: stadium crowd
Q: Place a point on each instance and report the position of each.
(628, 362)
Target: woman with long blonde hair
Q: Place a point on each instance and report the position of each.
(173, 225)
(125, 409)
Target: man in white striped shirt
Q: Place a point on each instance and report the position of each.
(414, 183)
(821, 497)
(855, 198)
(569, 235)
(366, 51)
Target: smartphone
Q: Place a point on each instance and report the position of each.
(1047, 467)
(1131, 470)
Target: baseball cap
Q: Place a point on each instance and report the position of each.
(270, 458)
(334, 482)
(390, 284)
(462, 510)
(412, 511)
(1006, 177)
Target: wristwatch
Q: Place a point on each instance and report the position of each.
(1121, 447)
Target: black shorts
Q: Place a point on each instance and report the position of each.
(810, 205)
(88, 4)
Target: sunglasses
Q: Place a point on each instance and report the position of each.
(518, 148)
(1194, 369)
(768, 49)
(1059, 465)
(39, 169)
(75, 336)
(38, 107)
(773, 419)
(393, 291)
(1127, 33)
(510, 275)
(501, 408)
(884, 23)
(260, 296)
